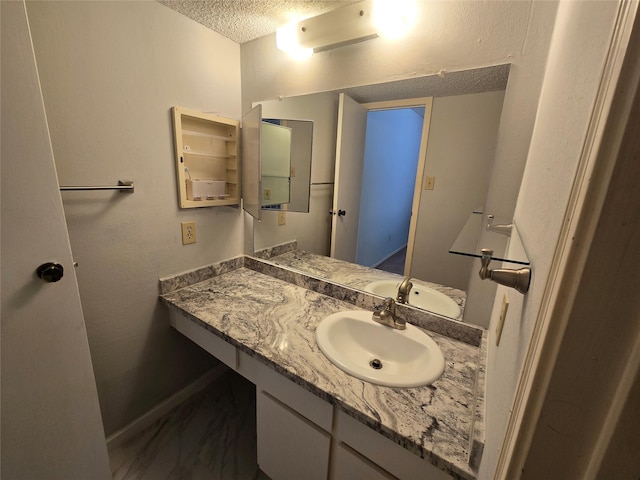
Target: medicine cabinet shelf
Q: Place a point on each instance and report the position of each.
(206, 135)
(207, 163)
(206, 154)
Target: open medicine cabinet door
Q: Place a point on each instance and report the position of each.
(251, 167)
(266, 163)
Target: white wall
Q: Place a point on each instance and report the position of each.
(110, 72)
(576, 59)
(312, 230)
(391, 154)
(460, 155)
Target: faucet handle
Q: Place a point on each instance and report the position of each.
(387, 305)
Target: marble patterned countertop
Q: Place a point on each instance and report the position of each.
(274, 321)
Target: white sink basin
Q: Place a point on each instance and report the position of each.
(420, 296)
(377, 353)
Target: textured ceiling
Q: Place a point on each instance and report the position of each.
(486, 79)
(245, 20)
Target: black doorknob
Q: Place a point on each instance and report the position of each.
(50, 272)
(341, 213)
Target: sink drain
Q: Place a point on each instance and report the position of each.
(375, 363)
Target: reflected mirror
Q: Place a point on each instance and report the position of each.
(445, 138)
(275, 155)
(299, 169)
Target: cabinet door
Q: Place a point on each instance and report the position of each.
(289, 446)
(349, 465)
(388, 455)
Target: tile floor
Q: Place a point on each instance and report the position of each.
(210, 436)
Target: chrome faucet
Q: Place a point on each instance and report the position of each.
(403, 290)
(385, 315)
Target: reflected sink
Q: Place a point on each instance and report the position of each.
(420, 296)
(379, 354)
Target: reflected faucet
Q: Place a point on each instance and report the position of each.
(403, 290)
(385, 315)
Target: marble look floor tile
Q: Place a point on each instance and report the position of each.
(211, 436)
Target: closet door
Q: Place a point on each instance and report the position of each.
(51, 424)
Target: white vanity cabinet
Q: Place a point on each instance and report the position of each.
(390, 457)
(349, 465)
(289, 445)
(293, 425)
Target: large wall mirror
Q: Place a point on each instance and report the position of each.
(426, 147)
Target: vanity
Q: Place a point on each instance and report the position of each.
(313, 419)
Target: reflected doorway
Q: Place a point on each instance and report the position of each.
(392, 150)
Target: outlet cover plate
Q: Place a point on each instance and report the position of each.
(188, 232)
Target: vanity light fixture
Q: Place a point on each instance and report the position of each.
(347, 25)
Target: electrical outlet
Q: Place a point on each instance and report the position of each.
(188, 232)
(266, 193)
(293, 172)
(430, 183)
(282, 218)
(503, 316)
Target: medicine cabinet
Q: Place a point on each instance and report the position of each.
(207, 159)
(213, 167)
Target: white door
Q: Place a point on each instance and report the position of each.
(352, 132)
(50, 418)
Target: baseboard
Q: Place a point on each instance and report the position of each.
(147, 419)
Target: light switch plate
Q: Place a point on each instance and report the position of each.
(503, 316)
(282, 218)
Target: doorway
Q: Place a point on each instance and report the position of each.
(392, 148)
(379, 199)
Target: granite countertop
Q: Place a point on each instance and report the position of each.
(274, 321)
(353, 275)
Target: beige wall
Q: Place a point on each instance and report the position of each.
(110, 72)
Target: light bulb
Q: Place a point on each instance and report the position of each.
(287, 41)
(394, 18)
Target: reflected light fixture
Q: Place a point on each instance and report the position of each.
(347, 25)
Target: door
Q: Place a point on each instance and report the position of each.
(350, 143)
(50, 418)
